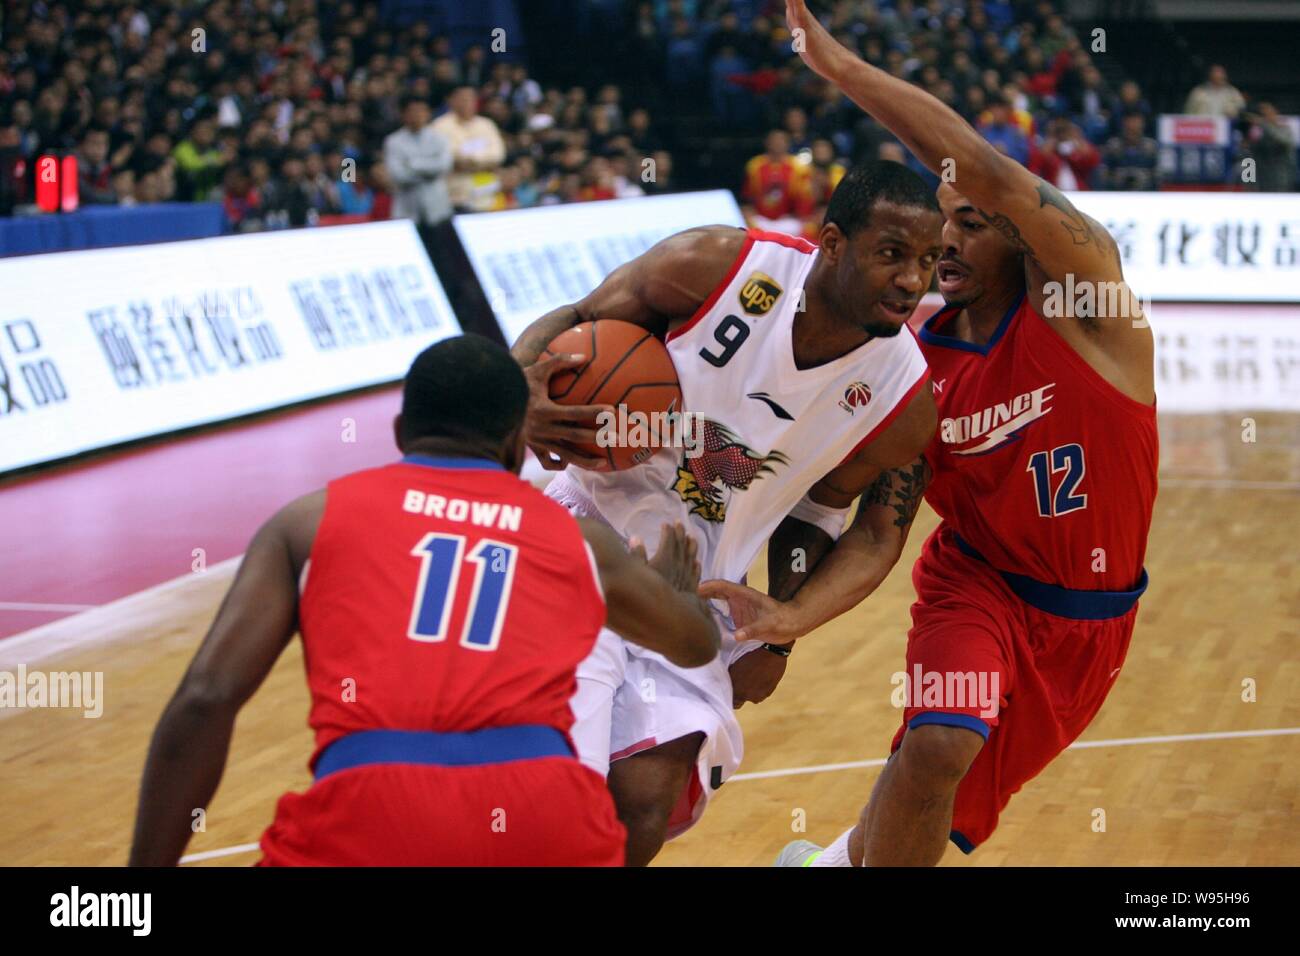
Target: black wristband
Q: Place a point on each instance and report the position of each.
(780, 650)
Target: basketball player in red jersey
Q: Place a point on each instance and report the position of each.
(443, 605)
(1044, 473)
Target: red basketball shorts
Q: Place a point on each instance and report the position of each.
(549, 811)
(1025, 676)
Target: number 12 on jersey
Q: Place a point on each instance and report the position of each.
(441, 558)
(1066, 458)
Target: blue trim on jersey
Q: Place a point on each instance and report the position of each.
(965, 721)
(475, 748)
(1065, 602)
(930, 337)
(963, 844)
(463, 463)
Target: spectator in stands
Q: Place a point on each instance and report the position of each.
(830, 169)
(1001, 130)
(14, 178)
(1065, 158)
(287, 201)
(199, 162)
(419, 160)
(94, 174)
(1131, 159)
(477, 150)
(1216, 96)
(240, 200)
(660, 174)
(1272, 144)
(776, 190)
(1130, 100)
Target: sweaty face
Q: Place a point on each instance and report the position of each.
(886, 266)
(975, 256)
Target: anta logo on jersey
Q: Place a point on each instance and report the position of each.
(721, 464)
(759, 294)
(992, 427)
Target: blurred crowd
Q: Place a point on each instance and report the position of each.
(1017, 71)
(289, 110)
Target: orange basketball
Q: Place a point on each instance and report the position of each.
(628, 368)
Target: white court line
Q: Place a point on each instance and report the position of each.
(225, 851)
(28, 606)
(880, 762)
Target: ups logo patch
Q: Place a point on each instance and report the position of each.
(759, 294)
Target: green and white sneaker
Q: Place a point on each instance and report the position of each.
(798, 853)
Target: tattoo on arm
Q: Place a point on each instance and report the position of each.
(900, 489)
(1009, 230)
(1075, 222)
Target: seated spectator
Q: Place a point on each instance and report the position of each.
(1216, 96)
(597, 181)
(776, 188)
(831, 171)
(240, 200)
(198, 162)
(1005, 135)
(660, 174)
(356, 197)
(94, 174)
(1131, 159)
(1130, 100)
(1065, 158)
(477, 149)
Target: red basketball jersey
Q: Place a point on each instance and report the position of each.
(1041, 465)
(444, 595)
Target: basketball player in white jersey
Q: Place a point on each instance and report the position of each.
(791, 359)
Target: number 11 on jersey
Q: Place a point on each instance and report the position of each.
(440, 563)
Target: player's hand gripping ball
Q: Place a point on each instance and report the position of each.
(627, 368)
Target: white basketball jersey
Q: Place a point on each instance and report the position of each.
(769, 430)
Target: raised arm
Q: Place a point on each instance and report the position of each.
(1110, 329)
(657, 290)
(1029, 212)
(256, 620)
(653, 602)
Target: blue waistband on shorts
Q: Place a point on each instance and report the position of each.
(473, 748)
(1064, 602)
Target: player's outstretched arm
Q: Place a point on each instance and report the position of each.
(188, 752)
(1032, 214)
(664, 284)
(653, 602)
(889, 476)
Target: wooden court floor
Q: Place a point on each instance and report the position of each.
(1179, 767)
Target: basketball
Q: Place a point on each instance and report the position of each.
(628, 368)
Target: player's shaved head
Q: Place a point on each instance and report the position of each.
(466, 389)
(865, 184)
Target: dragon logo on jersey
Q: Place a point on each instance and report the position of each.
(720, 463)
(759, 294)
